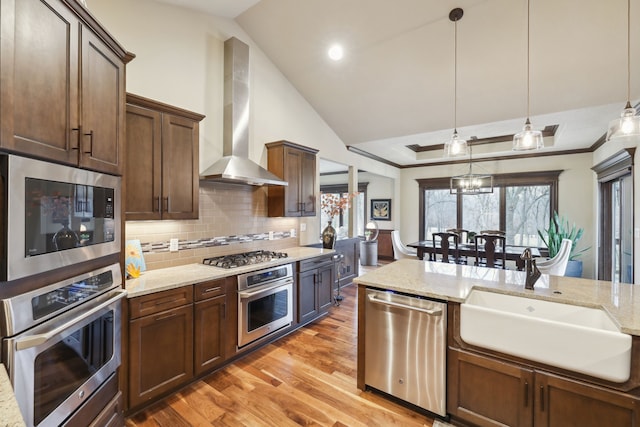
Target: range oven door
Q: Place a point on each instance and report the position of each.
(55, 366)
(264, 310)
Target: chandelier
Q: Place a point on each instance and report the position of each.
(471, 183)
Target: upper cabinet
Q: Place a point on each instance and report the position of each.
(295, 164)
(62, 92)
(162, 173)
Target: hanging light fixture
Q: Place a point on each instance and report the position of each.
(471, 183)
(528, 139)
(455, 146)
(628, 124)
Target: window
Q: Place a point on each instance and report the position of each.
(341, 222)
(521, 204)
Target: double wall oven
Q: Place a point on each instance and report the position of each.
(62, 343)
(60, 336)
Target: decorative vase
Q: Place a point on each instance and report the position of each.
(574, 268)
(329, 237)
(65, 238)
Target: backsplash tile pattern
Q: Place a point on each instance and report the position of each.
(233, 218)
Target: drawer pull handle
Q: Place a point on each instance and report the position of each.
(542, 398)
(526, 394)
(165, 316)
(206, 291)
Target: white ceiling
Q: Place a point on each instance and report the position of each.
(395, 86)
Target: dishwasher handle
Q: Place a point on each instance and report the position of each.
(431, 312)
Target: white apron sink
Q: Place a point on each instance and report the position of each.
(580, 339)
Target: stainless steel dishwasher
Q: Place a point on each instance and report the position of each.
(405, 348)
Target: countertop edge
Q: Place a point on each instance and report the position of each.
(11, 415)
(164, 279)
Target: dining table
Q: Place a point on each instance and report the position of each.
(512, 252)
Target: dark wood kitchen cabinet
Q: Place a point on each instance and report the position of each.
(348, 267)
(488, 392)
(210, 325)
(160, 343)
(62, 92)
(315, 286)
(295, 164)
(162, 151)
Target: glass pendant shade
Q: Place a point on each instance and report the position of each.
(627, 125)
(471, 183)
(455, 146)
(528, 139)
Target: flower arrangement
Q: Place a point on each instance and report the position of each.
(332, 204)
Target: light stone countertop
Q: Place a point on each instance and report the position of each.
(174, 277)
(10, 415)
(451, 282)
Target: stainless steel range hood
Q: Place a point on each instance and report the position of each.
(235, 165)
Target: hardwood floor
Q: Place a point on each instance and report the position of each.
(305, 378)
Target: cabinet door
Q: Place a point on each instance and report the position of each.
(293, 160)
(103, 106)
(562, 402)
(308, 184)
(307, 296)
(180, 168)
(325, 287)
(487, 392)
(160, 353)
(144, 162)
(39, 98)
(210, 327)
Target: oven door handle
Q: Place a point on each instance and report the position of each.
(271, 286)
(35, 340)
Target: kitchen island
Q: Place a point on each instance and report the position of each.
(488, 387)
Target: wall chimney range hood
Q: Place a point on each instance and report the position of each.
(235, 165)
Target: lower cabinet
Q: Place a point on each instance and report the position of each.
(172, 339)
(210, 315)
(160, 345)
(315, 287)
(487, 392)
(347, 269)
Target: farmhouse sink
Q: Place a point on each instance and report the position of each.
(576, 338)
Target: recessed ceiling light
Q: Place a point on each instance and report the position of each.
(336, 52)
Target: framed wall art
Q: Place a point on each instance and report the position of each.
(381, 209)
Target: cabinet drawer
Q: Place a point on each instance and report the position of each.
(160, 301)
(209, 289)
(316, 262)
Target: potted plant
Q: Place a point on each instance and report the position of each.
(560, 228)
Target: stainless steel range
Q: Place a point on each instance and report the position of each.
(242, 259)
(265, 302)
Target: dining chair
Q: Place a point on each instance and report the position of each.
(557, 265)
(446, 244)
(494, 232)
(461, 232)
(400, 250)
(491, 250)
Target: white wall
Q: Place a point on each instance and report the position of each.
(179, 61)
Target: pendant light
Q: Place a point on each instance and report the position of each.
(628, 124)
(455, 146)
(471, 183)
(528, 139)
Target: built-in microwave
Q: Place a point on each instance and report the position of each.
(56, 216)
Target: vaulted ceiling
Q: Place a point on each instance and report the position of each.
(394, 87)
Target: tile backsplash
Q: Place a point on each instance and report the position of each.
(233, 218)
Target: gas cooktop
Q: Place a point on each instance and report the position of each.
(245, 258)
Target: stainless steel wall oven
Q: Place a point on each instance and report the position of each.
(56, 216)
(62, 342)
(265, 302)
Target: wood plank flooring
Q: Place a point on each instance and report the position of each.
(305, 378)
